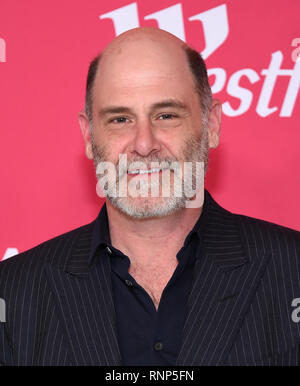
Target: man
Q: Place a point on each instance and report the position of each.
(153, 281)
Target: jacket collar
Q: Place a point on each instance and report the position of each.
(225, 280)
(101, 238)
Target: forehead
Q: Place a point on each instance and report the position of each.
(142, 67)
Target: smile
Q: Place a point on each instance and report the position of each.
(141, 171)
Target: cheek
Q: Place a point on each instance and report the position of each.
(175, 139)
(173, 147)
(114, 149)
(111, 144)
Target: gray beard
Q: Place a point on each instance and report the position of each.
(194, 150)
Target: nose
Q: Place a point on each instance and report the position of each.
(145, 140)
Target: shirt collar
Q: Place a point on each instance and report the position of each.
(101, 236)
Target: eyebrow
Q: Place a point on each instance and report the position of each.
(114, 110)
(169, 103)
(173, 103)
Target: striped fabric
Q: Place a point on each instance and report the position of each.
(60, 310)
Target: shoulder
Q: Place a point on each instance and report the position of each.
(252, 227)
(277, 244)
(262, 229)
(54, 251)
(281, 244)
(260, 236)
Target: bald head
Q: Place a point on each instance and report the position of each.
(140, 52)
(147, 37)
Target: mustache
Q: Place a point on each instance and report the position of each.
(194, 149)
(134, 162)
(144, 163)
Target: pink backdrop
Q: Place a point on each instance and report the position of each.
(251, 51)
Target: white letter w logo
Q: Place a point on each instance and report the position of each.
(214, 22)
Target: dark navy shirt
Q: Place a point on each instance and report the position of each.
(148, 337)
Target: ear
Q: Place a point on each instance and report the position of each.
(85, 130)
(214, 123)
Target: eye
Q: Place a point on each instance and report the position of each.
(119, 120)
(166, 116)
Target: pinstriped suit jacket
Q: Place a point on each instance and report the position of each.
(60, 311)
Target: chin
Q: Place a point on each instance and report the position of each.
(148, 207)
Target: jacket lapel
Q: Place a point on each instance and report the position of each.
(85, 304)
(227, 273)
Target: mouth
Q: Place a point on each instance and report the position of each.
(144, 172)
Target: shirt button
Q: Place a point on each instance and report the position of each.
(108, 250)
(158, 346)
(129, 283)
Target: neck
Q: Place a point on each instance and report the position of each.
(152, 241)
